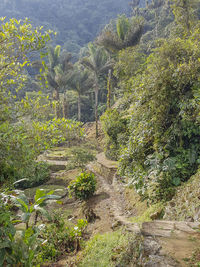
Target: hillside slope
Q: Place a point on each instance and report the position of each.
(77, 22)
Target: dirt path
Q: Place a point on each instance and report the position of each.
(115, 203)
(164, 243)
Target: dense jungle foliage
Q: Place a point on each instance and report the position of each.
(140, 77)
(157, 142)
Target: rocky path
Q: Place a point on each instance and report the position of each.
(117, 203)
(165, 243)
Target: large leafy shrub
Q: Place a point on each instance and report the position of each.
(163, 149)
(114, 127)
(18, 40)
(60, 238)
(22, 143)
(18, 249)
(83, 186)
(7, 232)
(22, 139)
(36, 243)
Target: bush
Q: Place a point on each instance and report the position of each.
(163, 148)
(114, 127)
(15, 249)
(37, 243)
(35, 175)
(7, 232)
(60, 238)
(83, 186)
(22, 143)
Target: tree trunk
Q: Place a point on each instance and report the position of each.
(96, 107)
(109, 90)
(56, 97)
(187, 16)
(79, 107)
(64, 107)
(156, 28)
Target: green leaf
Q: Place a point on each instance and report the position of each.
(39, 193)
(19, 181)
(176, 181)
(25, 217)
(51, 197)
(4, 244)
(24, 206)
(2, 256)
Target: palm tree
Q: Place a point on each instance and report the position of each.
(124, 33)
(58, 67)
(99, 63)
(80, 81)
(54, 74)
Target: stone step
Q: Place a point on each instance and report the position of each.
(169, 228)
(56, 165)
(105, 167)
(168, 243)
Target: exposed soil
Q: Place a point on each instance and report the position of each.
(90, 130)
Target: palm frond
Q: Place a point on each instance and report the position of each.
(57, 51)
(50, 51)
(51, 80)
(122, 25)
(87, 62)
(125, 33)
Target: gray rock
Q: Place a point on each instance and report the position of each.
(116, 224)
(168, 228)
(197, 214)
(151, 246)
(160, 261)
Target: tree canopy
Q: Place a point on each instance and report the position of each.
(76, 22)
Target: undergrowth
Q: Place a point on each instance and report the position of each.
(153, 212)
(100, 250)
(111, 249)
